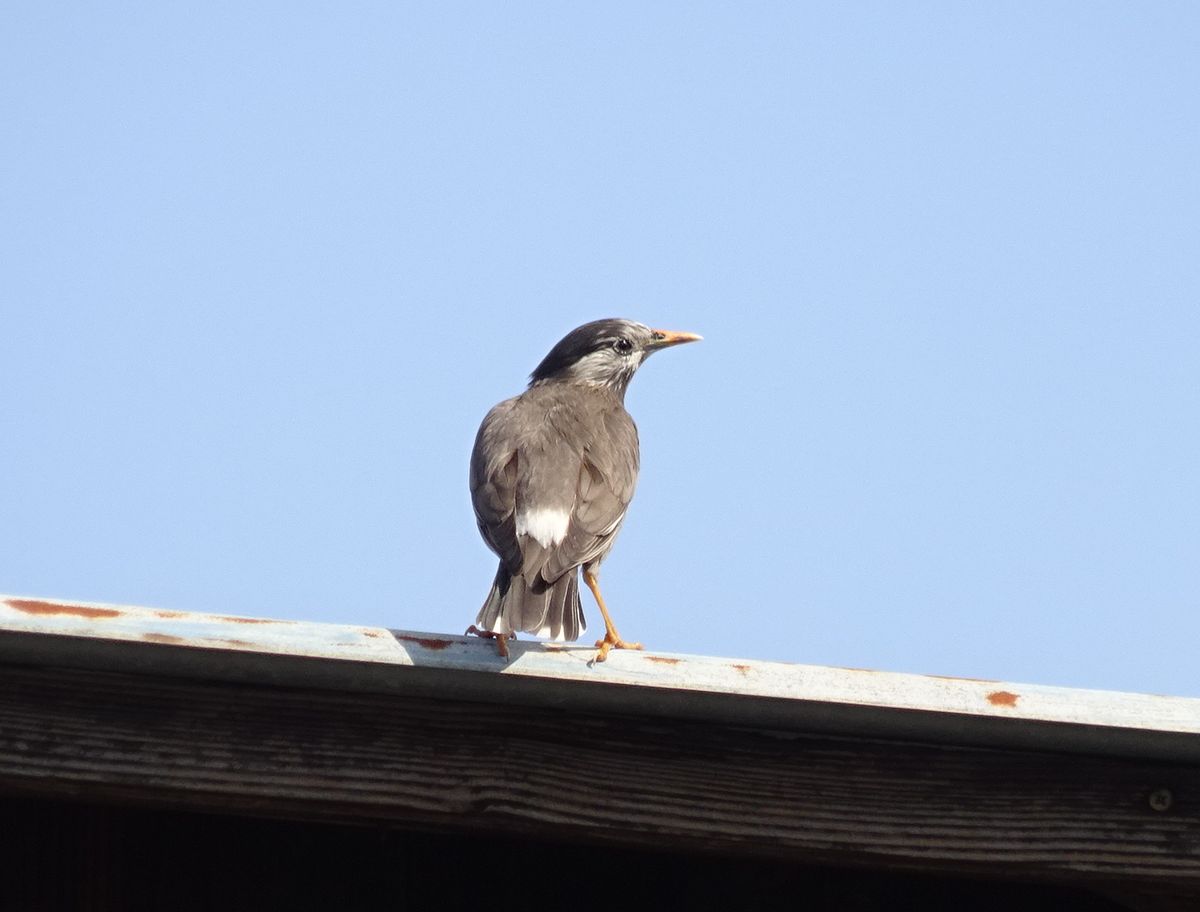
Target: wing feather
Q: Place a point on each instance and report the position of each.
(494, 472)
(607, 477)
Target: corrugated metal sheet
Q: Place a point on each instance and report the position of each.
(851, 701)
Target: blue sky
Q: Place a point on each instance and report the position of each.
(267, 266)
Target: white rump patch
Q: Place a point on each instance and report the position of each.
(546, 527)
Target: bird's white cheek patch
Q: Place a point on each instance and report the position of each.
(546, 527)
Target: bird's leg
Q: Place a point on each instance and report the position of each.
(500, 638)
(612, 639)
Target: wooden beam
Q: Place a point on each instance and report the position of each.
(809, 698)
(823, 766)
(626, 779)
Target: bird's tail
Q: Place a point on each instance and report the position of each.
(544, 609)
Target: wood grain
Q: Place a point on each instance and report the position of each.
(316, 755)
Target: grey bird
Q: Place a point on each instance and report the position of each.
(552, 474)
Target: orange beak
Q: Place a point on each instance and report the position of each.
(664, 338)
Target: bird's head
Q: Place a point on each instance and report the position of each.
(604, 353)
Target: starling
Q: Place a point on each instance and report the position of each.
(552, 474)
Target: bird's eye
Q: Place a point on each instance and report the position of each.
(624, 346)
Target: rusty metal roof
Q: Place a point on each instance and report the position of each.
(848, 701)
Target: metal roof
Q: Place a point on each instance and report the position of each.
(845, 701)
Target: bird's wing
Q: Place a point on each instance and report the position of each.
(606, 475)
(494, 485)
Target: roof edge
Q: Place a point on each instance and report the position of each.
(791, 697)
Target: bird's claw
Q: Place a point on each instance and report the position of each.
(606, 644)
(500, 638)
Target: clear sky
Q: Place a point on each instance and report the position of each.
(266, 266)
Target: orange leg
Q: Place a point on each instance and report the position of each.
(500, 638)
(612, 639)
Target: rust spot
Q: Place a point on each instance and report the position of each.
(427, 642)
(30, 606)
(741, 669)
(162, 638)
(1003, 698)
(665, 660)
(240, 620)
(239, 644)
(373, 634)
(169, 614)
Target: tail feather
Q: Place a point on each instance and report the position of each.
(489, 617)
(546, 609)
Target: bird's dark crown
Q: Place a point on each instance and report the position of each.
(590, 338)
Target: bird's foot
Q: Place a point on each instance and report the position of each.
(500, 638)
(612, 641)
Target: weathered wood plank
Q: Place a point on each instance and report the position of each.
(592, 776)
(804, 697)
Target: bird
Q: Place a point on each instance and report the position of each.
(552, 474)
